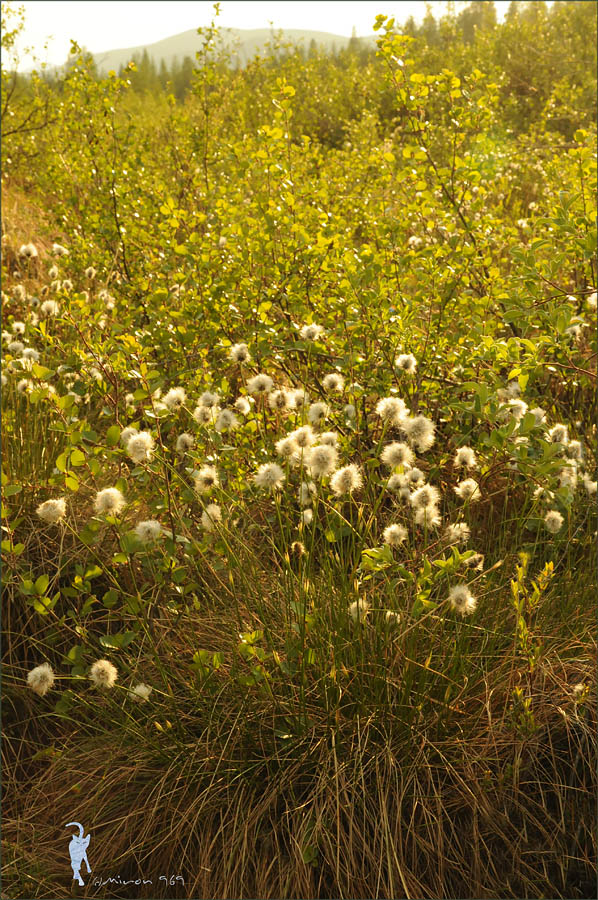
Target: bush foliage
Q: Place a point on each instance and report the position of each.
(311, 395)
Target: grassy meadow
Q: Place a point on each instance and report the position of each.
(299, 469)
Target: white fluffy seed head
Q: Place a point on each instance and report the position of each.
(359, 609)
(407, 363)
(346, 480)
(333, 382)
(553, 521)
(392, 411)
(307, 490)
(141, 691)
(468, 490)
(148, 531)
(311, 332)
(184, 443)
(206, 415)
(52, 511)
(428, 517)
(322, 460)
(260, 384)
(457, 533)
(269, 476)
(140, 446)
(329, 438)
(226, 421)
(239, 353)
(394, 535)
(243, 405)
(303, 437)
(109, 502)
(103, 674)
(465, 456)
(318, 412)
(427, 495)
(209, 398)
(461, 600)
(206, 479)
(287, 447)
(420, 432)
(307, 517)
(397, 454)
(40, 679)
(49, 308)
(175, 398)
(559, 434)
(279, 400)
(211, 517)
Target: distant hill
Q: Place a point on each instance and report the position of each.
(246, 42)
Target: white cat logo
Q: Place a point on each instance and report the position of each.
(78, 851)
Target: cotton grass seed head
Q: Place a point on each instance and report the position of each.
(428, 517)
(303, 437)
(109, 502)
(28, 251)
(392, 411)
(52, 511)
(243, 406)
(465, 457)
(553, 521)
(420, 432)
(140, 446)
(346, 480)
(49, 308)
(209, 398)
(322, 460)
(359, 609)
(468, 490)
(318, 412)
(40, 679)
(329, 439)
(461, 600)
(278, 400)
(287, 447)
(269, 476)
(311, 332)
(427, 495)
(206, 415)
(175, 399)
(59, 250)
(457, 533)
(18, 327)
(211, 517)
(148, 531)
(559, 434)
(307, 517)
(406, 362)
(103, 674)
(260, 384)
(333, 382)
(397, 454)
(239, 353)
(206, 479)
(394, 535)
(226, 421)
(184, 443)
(307, 490)
(141, 691)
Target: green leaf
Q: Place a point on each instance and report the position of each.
(113, 435)
(77, 458)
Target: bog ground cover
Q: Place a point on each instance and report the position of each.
(299, 469)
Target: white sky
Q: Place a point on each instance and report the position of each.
(101, 25)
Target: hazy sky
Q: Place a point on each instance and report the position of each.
(101, 25)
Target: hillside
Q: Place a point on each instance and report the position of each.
(245, 42)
